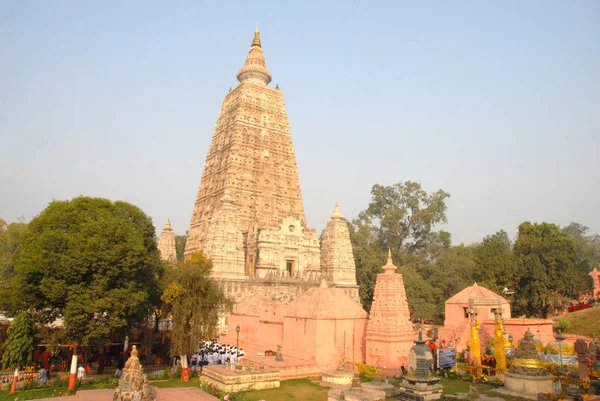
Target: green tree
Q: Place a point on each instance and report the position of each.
(547, 260)
(404, 215)
(18, 348)
(180, 241)
(402, 218)
(10, 238)
(496, 263)
(587, 245)
(195, 302)
(93, 263)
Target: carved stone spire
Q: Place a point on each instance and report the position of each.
(389, 267)
(249, 207)
(255, 69)
(166, 243)
(389, 330)
(337, 257)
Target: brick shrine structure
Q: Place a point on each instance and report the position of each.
(390, 331)
(248, 216)
(166, 243)
(457, 329)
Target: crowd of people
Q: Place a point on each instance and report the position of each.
(213, 353)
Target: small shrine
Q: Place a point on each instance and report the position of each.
(527, 374)
(133, 384)
(419, 383)
(390, 332)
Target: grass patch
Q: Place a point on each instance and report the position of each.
(300, 390)
(33, 394)
(584, 322)
(173, 383)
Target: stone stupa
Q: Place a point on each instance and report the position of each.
(527, 375)
(133, 384)
(419, 383)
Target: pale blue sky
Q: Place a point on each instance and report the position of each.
(496, 102)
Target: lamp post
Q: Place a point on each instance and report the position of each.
(559, 337)
(237, 344)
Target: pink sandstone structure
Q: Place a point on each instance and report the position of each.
(322, 326)
(595, 275)
(326, 326)
(457, 329)
(166, 243)
(390, 332)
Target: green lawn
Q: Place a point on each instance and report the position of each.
(172, 383)
(301, 390)
(584, 322)
(31, 394)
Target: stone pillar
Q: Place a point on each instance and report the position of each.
(581, 348)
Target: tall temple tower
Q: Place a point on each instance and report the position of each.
(166, 243)
(248, 215)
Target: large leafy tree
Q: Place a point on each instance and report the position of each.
(548, 262)
(195, 302)
(18, 348)
(496, 263)
(587, 245)
(401, 217)
(93, 263)
(10, 238)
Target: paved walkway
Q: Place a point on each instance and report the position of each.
(162, 394)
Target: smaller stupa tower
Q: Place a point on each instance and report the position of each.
(166, 243)
(337, 258)
(390, 332)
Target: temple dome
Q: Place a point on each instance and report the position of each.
(325, 303)
(472, 292)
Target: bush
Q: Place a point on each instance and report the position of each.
(58, 382)
(562, 324)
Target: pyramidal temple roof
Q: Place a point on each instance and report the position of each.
(474, 291)
(255, 68)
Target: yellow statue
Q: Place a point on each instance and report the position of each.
(474, 345)
(499, 353)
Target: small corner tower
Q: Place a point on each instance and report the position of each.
(166, 243)
(337, 258)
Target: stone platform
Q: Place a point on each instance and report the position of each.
(240, 380)
(387, 388)
(526, 386)
(289, 368)
(335, 378)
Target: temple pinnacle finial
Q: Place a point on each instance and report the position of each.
(256, 40)
(336, 212)
(168, 226)
(389, 267)
(255, 69)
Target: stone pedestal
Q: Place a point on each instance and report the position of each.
(388, 389)
(350, 394)
(240, 380)
(420, 389)
(337, 378)
(526, 386)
